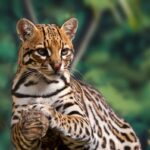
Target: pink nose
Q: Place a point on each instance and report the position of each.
(56, 66)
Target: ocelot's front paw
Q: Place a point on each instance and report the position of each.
(34, 124)
(46, 110)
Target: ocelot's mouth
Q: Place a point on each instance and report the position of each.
(51, 74)
(46, 74)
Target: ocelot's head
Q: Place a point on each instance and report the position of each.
(46, 48)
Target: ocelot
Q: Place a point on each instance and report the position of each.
(51, 109)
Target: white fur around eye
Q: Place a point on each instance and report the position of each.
(42, 57)
(68, 53)
(49, 52)
(26, 58)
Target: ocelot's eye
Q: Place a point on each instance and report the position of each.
(42, 52)
(64, 51)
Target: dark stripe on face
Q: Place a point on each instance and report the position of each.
(61, 43)
(48, 43)
(29, 52)
(44, 35)
(29, 62)
(58, 32)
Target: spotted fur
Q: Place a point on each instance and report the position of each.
(51, 110)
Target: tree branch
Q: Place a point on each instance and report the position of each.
(29, 11)
(86, 39)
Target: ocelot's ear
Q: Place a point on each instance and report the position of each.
(25, 29)
(70, 27)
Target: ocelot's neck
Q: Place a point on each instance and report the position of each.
(30, 82)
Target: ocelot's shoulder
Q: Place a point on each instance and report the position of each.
(86, 86)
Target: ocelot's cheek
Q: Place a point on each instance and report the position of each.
(65, 63)
(26, 59)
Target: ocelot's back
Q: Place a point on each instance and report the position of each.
(52, 110)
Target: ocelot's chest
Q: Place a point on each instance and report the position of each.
(35, 89)
(35, 86)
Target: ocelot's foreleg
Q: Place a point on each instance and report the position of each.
(74, 126)
(27, 132)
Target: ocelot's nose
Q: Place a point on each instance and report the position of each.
(56, 66)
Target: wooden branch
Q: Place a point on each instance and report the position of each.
(116, 15)
(29, 11)
(86, 39)
(125, 7)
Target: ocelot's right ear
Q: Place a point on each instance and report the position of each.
(70, 27)
(25, 29)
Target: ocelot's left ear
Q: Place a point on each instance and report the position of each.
(25, 29)
(70, 27)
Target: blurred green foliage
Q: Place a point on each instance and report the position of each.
(116, 61)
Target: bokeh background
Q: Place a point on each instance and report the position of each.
(112, 53)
